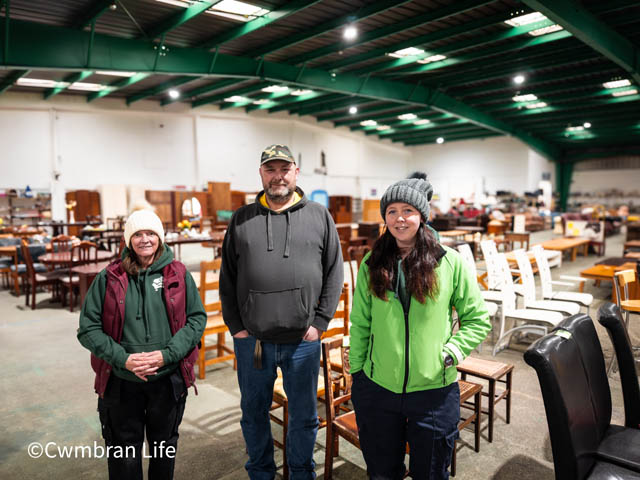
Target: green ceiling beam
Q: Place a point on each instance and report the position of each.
(287, 103)
(92, 13)
(419, 41)
(453, 128)
(594, 102)
(70, 80)
(482, 53)
(362, 112)
(591, 31)
(590, 114)
(117, 85)
(270, 97)
(407, 128)
(12, 78)
(391, 29)
(196, 92)
(387, 116)
(314, 102)
(409, 62)
(260, 22)
(323, 28)
(447, 139)
(174, 82)
(180, 17)
(45, 46)
(326, 107)
(221, 96)
(564, 173)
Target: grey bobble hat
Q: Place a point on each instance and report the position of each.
(415, 190)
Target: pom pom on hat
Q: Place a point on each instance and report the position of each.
(143, 220)
(415, 190)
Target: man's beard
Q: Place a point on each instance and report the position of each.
(278, 197)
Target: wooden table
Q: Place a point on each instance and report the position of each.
(453, 233)
(58, 227)
(63, 258)
(214, 240)
(631, 244)
(86, 274)
(568, 243)
(605, 273)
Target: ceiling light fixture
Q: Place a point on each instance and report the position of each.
(368, 123)
(525, 19)
(37, 82)
(407, 116)
(518, 79)
(350, 33)
(300, 91)
(353, 110)
(237, 10)
(88, 87)
(545, 30)
(579, 128)
(116, 73)
(261, 101)
(528, 97)
(531, 106)
(236, 98)
(586, 125)
(422, 121)
(383, 127)
(439, 140)
(174, 93)
(432, 58)
(617, 83)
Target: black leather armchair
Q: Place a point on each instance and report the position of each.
(610, 317)
(577, 400)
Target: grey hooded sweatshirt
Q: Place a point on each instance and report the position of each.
(281, 271)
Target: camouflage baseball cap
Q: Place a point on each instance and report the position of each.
(276, 152)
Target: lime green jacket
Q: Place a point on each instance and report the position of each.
(405, 354)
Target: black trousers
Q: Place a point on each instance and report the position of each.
(387, 421)
(130, 408)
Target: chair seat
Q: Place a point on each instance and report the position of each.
(348, 427)
(51, 276)
(609, 471)
(621, 446)
(5, 263)
(535, 315)
(278, 388)
(22, 268)
(585, 299)
(631, 305)
(567, 307)
(75, 280)
(214, 323)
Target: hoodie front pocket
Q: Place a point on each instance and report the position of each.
(273, 311)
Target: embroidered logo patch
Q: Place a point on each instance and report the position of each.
(157, 283)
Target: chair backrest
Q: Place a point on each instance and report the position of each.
(35, 251)
(494, 274)
(500, 263)
(61, 243)
(526, 274)
(568, 402)
(339, 324)
(210, 285)
(10, 241)
(84, 252)
(544, 270)
(337, 378)
(467, 256)
(610, 317)
(356, 253)
(27, 258)
(621, 281)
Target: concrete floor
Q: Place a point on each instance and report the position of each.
(47, 396)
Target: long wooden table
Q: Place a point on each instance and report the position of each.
(605, 273)
(62, 258)
(568, 243)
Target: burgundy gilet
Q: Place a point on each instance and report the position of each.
(174, 291)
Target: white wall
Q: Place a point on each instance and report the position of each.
(595, 181)
(469, 168)
(107, 143)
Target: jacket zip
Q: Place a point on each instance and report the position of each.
(406, 352)
(371, 356)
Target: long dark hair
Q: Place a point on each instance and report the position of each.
(131, 263)
(419, 266)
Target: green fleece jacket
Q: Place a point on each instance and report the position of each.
(405, 353)
(146, 323)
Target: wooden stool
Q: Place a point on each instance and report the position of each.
(468, 390)
(492, 372)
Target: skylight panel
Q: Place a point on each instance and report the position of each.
(88, 87)
(624, 93)
(406, 52)
(536, 105)
(383, 127)
(422, 121)
(261, 101)
(525, 19)
(236, 98)
(529, 97)
(617, 83)
(37, 82)
(116, 73)
(544, 30)
(237, 10)
(275, 88)
(368, 123)
(407, 116)
(301, 91)
(432, 58)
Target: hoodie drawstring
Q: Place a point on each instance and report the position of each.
(288, 240)
(269, 232)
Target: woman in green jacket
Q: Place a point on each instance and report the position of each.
(403, 351)
(141, 320)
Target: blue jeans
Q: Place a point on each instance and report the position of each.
(427, 420)
(300, 365)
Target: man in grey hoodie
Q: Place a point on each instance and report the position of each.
(280, 283)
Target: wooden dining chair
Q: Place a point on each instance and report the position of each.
(621, 281)
(355, 254)
(34, 279)
(215, 323)
(61, 243)
(81, 254)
